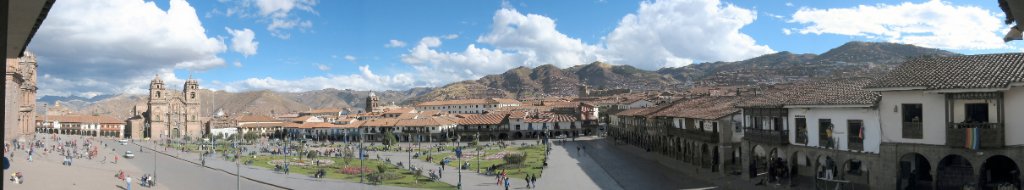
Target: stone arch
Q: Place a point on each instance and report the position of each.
(503, 136)
(800, 162)
(954, 172)
(758, 162)
(914, 172)
(999, 171)
(826, 167)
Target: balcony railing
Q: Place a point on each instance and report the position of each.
(780, 137)
(854, 145)
(913, 130)
(988, 135)
(700, 135)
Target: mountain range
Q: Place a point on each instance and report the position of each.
(852, 58)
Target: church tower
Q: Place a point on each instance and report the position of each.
(371, 102)
(157, 108)
(191, 95)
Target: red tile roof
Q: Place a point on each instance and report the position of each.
(959, 72)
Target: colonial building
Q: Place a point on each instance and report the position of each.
(174, 115)
(952, 122)
(372, 103)
(468, 106)
(85, 125)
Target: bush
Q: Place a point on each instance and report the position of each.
(514, 158)
(384, 176)
(354, 170)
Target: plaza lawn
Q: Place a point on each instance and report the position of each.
(407, 179)
(533, 165)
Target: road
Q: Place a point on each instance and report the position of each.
(632, 171)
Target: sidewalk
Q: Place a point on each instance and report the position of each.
(723, 182)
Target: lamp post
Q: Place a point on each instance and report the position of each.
(361, 175)
(459, 167)
(238, 167)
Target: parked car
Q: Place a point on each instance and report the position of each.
(123, 141)
(129, 154)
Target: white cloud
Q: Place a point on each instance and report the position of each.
(450, 36)
(116, 46)
(322, 67)
(365, 80)
(395, 43)
(281, 16)
(933, 24)
(787, 31)
(676, 33)
(789, 4)
(242, 41)
(660, 34)
(238, 64)
(519, 40)
(350, 58)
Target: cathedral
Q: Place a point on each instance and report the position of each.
(173, 115)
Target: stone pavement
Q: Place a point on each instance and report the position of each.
(47, 172)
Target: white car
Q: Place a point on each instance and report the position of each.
(129, 154)
(123, 141)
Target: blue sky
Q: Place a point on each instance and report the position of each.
(88, 48)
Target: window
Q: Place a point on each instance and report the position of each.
(825, 133)
(801, 130)
(912, 117)
(517, 128)
(976, 113)
(855, 134)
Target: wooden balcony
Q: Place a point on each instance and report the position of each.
(990, 135)
(700, 135)
(779, 137)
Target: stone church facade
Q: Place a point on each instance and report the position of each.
(171, 114)
(20, 97)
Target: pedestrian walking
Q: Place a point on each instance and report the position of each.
(128, 181)
(533, 180)
(506, 185)
(527, 179)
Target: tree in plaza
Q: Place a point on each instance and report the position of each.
(382, 168)
(250, 136)
(389, 139)
(219, 136)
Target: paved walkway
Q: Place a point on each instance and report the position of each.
(47, 172)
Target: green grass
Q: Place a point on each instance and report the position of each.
(533, 165)
(408, 179)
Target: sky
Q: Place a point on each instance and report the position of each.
(88, 48)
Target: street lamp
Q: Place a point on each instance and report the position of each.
(459, 167)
